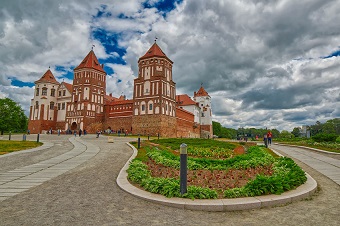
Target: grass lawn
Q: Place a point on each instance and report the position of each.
(8, 146)
(326, 146)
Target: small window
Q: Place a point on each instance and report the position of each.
(52, 105)
(150, 107)
(44, 92)
(143, 107)
(52, 92)
(64, 92)
(36, 105)
(63, 106)
(59, 106)
(37, 92)
(60, 93)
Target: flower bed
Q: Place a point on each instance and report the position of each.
(156, 169)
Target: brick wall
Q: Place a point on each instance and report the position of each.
(154, 124)
(185, 124)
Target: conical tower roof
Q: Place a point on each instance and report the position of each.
(90, 61)
(201, 92)
(154, 51)
(48, 77)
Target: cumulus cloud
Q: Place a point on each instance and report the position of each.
(263, 62)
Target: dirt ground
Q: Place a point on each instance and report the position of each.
(89, 195)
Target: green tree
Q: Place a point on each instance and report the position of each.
(12, 117)
(296, 132)
(285, 134)
(217, 128)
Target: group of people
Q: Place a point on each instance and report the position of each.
(80, 132)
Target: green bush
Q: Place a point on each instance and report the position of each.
(323, 137)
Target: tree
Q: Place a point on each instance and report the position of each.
(12, 117)
(285, 134)
(217, 127)
(296, 132)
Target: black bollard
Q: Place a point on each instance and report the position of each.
(183, 168)
(148, 137)
(138, 141)
(38, 137)
(158, 136)
(10, 134)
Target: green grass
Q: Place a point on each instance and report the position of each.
(326, 146)
(7, 146)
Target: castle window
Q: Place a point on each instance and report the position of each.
(64, 92)
(63, 106)
(36, 105)
(59, 106)
(143, 107)
(44, 91)
(52, 92)
(150, 107)
(60, 93)
(52, 105)
(37, 92)
(202, 114)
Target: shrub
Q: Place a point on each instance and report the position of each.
(323, 137)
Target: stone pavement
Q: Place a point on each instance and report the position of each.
(329, 167)
(88, 195)
(21, 179)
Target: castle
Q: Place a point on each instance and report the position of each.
(154, 110)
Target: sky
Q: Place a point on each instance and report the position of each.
(264, 63)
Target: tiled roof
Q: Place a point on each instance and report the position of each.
(184, 100)
(48, 77)
(68, 86)
(90, 61)
(201, 92)
(154, 51)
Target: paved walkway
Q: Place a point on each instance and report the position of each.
(88, 194)
(329, 167)
(21, 179)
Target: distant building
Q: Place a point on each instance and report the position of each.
(155, 107)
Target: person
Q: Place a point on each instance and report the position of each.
(58, 132)
(28, 132)
(80, 132)
(265, 140)
(84, 132)
(98, 133)
(75, 133)
(269, 136)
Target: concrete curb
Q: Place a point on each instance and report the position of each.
(302, 192)
(304, 147)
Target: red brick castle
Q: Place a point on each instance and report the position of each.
(155, 107)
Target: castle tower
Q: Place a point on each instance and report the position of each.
(43, 109)
(89, 88)
(204, 100)
(154, 95)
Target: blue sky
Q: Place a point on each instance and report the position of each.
(265, 64)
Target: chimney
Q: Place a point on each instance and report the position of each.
(102, 65)
(110, 94)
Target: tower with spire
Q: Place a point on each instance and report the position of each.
(88, 92)
(43, 110)
(154, 95)
(202, 98)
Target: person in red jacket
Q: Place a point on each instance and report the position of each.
(269, 137)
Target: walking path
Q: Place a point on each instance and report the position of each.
(88, 194)
(329, 167)
(21, 179)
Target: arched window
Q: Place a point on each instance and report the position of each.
(51, 105)
(36, 105)
(37, 92)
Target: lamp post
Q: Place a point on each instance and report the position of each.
(183, 168)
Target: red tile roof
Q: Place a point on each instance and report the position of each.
(154, 51)
(90, 61)
(184, 100)
(201, 92)
(48, 77)
(68, 86)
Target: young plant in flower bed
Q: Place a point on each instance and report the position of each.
(287, 175)
(175, 143)
(212, 152)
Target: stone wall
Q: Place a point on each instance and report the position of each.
(154, 124)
